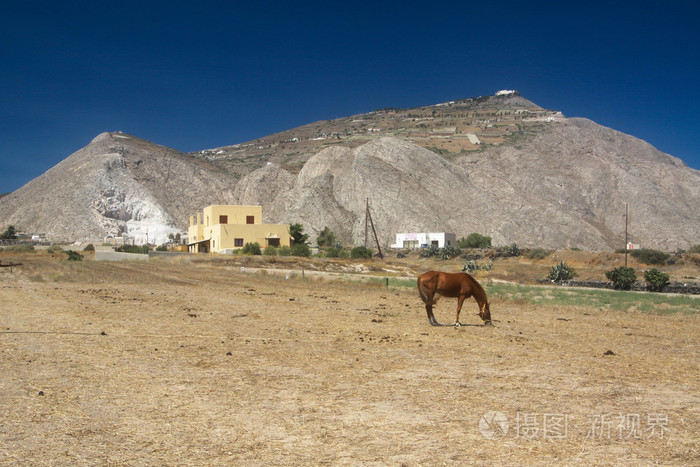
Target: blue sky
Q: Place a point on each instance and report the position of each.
(197, 75)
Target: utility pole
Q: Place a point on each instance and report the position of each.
(366, 216)
(376, 239)
(626, 243)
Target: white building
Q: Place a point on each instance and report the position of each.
(473, 138)
(425, 239)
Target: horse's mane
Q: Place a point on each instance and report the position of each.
(476, 285)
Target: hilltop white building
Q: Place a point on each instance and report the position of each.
(424, 239)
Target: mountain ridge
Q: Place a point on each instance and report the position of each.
(497, 165)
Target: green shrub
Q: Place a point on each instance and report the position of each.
(648, 256)
(89, 247)
(143, 249)
(474, 240)
(54, 249)
(333, 252)
(694, 249)
(301, 249)
(74, 256)
(270, 250)
(251, 248)
(622, 277)
(537, 253)
(284, 251)
(360, 252)
(656, 279)
(162, 247)
(472, 266)
(430, 252)
(450, 252)
(512, 250)
(561, 272)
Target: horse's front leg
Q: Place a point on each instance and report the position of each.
(460, 301)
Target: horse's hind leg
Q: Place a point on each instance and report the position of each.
(429, 302)
(431, 317)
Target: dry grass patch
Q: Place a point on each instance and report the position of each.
(172, 362)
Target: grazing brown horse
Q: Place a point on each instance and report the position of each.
(434, 284)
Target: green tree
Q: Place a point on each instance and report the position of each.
(9, 233)
(326, 237)
(474, 240)
(622, 277)
(656, 279)
(296, 231)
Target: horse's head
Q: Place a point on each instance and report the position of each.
(485, 313)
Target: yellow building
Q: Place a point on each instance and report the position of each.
(224, 228)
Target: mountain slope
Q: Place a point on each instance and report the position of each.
(118, 183)
(498, 165)
(531, 196)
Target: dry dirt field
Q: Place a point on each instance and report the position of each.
(192, 363)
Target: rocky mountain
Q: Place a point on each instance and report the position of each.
(116, 184)
(498, 165)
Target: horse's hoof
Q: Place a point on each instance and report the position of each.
(488, 323)
(457, 324)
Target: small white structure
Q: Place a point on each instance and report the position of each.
(506, 92)
(632, 246)
(424, 239)
(473, 138)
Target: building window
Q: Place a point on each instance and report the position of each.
(250, 219)
(237, 242)
(223, 219)
(273, 242)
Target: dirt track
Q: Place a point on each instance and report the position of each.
(155, 363)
